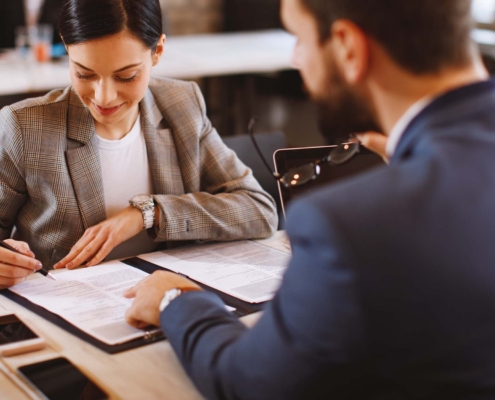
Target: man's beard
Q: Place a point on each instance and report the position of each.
(343, 112)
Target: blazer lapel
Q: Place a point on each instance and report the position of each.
(83, 162)
(162, 153)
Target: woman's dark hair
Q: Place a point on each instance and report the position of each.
(84, 20)
(423, 36)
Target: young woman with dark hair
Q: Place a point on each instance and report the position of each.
(73, 162)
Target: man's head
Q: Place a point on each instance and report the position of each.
(341, 43)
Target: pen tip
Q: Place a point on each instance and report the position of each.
(51, 276)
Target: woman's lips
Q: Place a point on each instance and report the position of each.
(106, 111)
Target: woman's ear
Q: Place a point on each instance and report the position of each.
(160, 48)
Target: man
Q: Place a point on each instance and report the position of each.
(391, 290)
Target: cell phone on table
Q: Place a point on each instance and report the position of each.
(16, 338)
(59, 379)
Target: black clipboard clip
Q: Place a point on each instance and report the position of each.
(154, 335)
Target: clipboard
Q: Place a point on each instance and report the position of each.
(242, 308)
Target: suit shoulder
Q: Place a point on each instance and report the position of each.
(382, 188)
(54, 97)
(172, 91)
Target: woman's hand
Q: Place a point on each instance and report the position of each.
(376, 142)
(14, 267)
(98, 241)
(149, 293)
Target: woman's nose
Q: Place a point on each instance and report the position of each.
(105, 94)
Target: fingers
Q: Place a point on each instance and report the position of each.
(100, 255)
(11, 275)
(131, 293)
(19, 260)
(376, 142)
(21, 247)
(84, 250)
(140, 315)
(132, 319)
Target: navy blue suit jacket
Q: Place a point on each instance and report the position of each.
(390, 293)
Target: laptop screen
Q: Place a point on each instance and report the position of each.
(286, 159)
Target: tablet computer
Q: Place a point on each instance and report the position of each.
(286, 159)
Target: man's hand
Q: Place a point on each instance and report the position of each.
(376, 142)
(14, 267)
(98, 241)
(149, 293)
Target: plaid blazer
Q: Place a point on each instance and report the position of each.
(51, 187)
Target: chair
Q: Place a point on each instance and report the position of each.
(268, 143)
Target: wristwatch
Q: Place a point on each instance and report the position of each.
(170, 295)
(146, 204)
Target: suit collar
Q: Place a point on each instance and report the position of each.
(456, 105)
(161, 149)
(80, 123)
(149, 110)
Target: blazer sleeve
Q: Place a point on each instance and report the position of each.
(231, 204)
(307, 343)
(13, 192)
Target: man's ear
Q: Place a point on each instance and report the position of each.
(160, 47)
(350, 51)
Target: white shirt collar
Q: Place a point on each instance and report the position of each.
(403, 123)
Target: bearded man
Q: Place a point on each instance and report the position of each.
(390, 293)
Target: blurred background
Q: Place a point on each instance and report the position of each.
(235, 49)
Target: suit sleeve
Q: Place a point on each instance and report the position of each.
(13, 192)
(231, 204)
(308, 341)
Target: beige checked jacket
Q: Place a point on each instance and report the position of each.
(51, 187)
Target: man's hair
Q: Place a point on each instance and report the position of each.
(423, 36)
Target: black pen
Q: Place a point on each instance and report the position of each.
(42, 271)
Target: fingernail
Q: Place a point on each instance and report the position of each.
(39, 265)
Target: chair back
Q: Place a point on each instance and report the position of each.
(269, 143)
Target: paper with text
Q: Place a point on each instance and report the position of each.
(90, 299)
(247, 270)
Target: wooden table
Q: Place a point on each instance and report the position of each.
(149, 372)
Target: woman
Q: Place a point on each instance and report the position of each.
(71, 161)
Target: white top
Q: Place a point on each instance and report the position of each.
(403, 123)
(125, 171)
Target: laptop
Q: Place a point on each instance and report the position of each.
(286, 159)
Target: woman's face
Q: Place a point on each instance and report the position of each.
(111, 76)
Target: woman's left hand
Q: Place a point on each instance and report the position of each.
(99, 240)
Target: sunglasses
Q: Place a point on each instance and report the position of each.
(306, 173)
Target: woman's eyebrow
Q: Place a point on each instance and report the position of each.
(119, 70)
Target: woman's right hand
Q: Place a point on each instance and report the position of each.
(14, 267)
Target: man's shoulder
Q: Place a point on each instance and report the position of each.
(376, 194)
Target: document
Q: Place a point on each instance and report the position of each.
(90, 299)
(247, 270)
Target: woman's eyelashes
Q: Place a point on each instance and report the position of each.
(126, 80)
(117, 78)
(84, 77)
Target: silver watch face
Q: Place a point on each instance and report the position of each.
(141, 199)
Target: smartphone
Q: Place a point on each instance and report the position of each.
(59, 379)
(17, 338)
